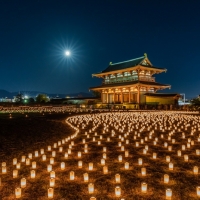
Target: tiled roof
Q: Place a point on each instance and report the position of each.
(130, 83)
(126, 64)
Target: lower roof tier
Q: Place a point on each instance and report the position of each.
(131, 84)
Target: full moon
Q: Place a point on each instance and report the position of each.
(67, 53)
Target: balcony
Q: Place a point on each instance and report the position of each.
(128, 79)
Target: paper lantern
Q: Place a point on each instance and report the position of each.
(32, 173)
(52, 182)
(167, 158)
(171, 166)
(49, 148)
(108, 139)
(117, 191)
(168, 194)
(166, 178)
(71, 175)
(36, 154)
(66, 155)
(49, 168)
(198, 191)
(15, 173)
(85, 177)
(23, 183)
(44, 157)
(195, 170)
(53, 153)
(137, 144)
(34, 165)
(197, 152)
(52, 174)
(140, 161)
(55, 145)
(30, 155)
(126, 153)
(23, 158)
(144, 151)
(154, 155)
(183, 147)
(90, 166)
(169, 148)
(179, 153)
(127, 141)
(105, 169)
(14, 161)
(79, 154)
(91, 188)
(92, 198)
(99, 142)
(102, 161)
(126, 165)
(51, 161)
(186, 158)
(80, 164)
(117, 178)
(104, 155)
(86, 150)
(143, 187)
(60, 149)
(122, 148)
(120, 158)
(18, 165)
(143, 171)
(50, 193)
(42, 151)
(18, 193)
(4, 170)
(62, 165)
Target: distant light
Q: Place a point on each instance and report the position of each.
(26, 97)
(67, 53)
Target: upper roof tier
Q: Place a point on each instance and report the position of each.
(137, 63)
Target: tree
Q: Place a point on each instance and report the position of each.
(196, 101)
(42, 98)
(96, 93)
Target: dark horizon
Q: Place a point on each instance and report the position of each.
(35, 35)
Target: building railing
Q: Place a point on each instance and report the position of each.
(128, 79)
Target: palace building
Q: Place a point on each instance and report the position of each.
(132, 82)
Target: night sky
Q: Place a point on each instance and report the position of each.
(35, 34)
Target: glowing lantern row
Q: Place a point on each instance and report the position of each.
(168, 194)
(144, 187)
(50, 193)
(18, 193)
(166, 178)
(52, 182)
(33, 173)
(91, 188)
(117, 178)
(23, 183)
(117, 191)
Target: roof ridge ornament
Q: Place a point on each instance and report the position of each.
(110, 63)
(145, 55)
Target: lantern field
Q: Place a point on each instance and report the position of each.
(126, 155)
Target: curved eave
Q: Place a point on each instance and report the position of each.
(138, 67)
(133, 84)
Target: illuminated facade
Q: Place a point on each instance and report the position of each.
(129, 81)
